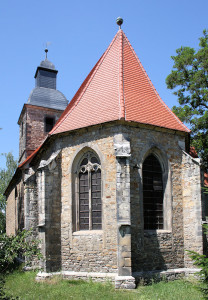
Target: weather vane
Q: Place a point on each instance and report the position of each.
(119, 22)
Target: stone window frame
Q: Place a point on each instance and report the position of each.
(166, 177)
(75, 189)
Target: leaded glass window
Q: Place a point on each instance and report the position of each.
(89, 206)
(152, 193)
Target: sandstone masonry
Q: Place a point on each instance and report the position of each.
(122, 247)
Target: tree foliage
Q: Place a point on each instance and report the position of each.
(5, 177)
(189, 80)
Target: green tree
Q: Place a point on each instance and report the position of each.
(5, 177)
(189, 80)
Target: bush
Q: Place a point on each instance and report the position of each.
(14, 248)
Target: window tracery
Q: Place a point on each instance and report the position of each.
(89, 206)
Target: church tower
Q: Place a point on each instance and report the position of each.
(43, 108)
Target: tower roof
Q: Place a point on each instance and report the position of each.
(47, 64)
(117, 88)
(45, 93)
(46, 97)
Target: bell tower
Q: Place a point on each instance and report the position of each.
(41, 111)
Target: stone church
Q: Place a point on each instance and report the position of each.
(106, 182)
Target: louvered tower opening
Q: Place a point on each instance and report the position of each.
(46, 79)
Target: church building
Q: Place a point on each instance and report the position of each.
(106, 181)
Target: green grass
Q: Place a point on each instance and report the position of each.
(24, 286)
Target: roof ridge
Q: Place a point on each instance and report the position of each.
(75, 100)
(154, 89)
(121, 85)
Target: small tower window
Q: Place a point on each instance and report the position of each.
(49, 123)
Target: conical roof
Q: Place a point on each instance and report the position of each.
(117, 88)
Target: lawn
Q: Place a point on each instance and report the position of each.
(23, 285)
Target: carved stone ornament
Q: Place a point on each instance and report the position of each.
(89, 167)
(123, 149)
(45, 163)
(52, 165)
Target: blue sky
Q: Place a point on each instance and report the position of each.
(79, 32)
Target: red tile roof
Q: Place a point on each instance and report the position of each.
(117, 88)
(30, 157)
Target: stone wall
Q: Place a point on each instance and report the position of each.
(53, 177)
(192, 206)
(15, 209)
(93, 250)
(158, 249)
(50, 198)
(31, 204)
(22, 136)
(11, 213)
(121, 244)
(32, 132)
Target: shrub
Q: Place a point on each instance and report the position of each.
(201, 261)
(14, 248)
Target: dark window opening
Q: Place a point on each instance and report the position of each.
(49, 123)
(83, 201)
(152, 193)
(15, 192)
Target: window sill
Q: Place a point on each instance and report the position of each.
(87, 232)
(156, 231)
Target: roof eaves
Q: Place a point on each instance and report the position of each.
(14, 179)
(32, 155)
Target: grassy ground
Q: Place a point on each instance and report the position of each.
(24, 286)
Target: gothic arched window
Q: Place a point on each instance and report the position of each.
(89, 206)
(152, 193)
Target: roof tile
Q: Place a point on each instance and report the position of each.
(117, 88)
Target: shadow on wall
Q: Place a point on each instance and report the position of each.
(146, 246)
(53, 220)
(146, 252)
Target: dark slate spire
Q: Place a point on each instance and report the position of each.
(46, 74)
(45, 93)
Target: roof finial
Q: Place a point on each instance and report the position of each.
(119, 22)
(46, 51)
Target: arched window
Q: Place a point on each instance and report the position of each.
(89, 206)
(152, 193)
